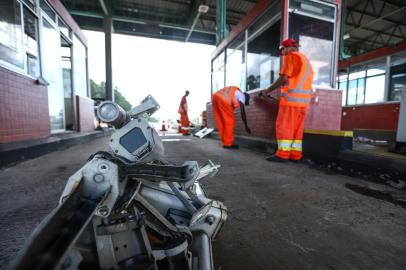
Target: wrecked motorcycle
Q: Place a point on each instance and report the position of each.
(129, 208)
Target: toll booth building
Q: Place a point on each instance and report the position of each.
(44, 86)
(249, 58)
(358, 57)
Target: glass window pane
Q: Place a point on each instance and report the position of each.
(316, 40)
(48, 10)
(30, 3)
(397, 81)
(343, 87)
(218, 79)
(352, 92)
(11, 47)
(342, 75)
(375, 89)
(235, 68)
(64, 28)
(398, 59)
(52, 72)
(356, 72)
(218, 72)
(377, 67)
(31, 42)
(263, 60)
(360, 91)
(312, 7)
(79, 67)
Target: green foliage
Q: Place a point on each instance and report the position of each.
(98, 92)
(121, 100)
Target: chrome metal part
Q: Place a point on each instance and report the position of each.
(137, 141)
(129, 209)
(146, 108)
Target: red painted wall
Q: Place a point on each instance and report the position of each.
(374, 116)
(23, 108)
(323, 113)
(85, 113)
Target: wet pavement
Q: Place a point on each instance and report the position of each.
(281, 216)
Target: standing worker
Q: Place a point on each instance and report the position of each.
(224, 102)
(295, 80)
(184, 119)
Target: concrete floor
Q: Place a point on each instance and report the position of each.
(281, 216)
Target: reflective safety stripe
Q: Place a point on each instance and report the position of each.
(297, 145)
(299, 91)
(285, 145)
(295, 99)
(305, 76)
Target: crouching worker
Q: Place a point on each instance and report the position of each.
(224, 102)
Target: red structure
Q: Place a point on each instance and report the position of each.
(44, 86)
(252, 47)
(23, 108)
(389, 65)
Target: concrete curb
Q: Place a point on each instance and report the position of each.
(376, 168)
(12, 153)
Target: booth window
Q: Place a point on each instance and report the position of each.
(48, 10)
(397, 81)
(375, 82)
(79, 67)
(397, 76)
(11, 45)
(31, 42)
(312, 25)
(343, 84)
(365, 83)
(30, 3)
(263, 60)
(64, 28)
(218, 72)
(235, 67)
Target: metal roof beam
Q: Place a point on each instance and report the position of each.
(106, 7)
(383, 32)
(383, 18)
(377, 19)
(140, 21)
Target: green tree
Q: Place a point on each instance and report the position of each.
(98, 92)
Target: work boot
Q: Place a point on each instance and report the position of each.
(234, 146)
(275, 158)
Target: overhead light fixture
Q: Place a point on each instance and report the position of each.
(346, 36)
(203, 8)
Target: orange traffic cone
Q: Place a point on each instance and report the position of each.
(163, 128)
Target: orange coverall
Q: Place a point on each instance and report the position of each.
(224, 103)
(184, 119)
(295, 99)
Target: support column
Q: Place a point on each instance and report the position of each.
(108, 30)
(221, 21)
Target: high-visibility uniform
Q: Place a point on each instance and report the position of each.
(184, 119)
(294, 101)
(224, 103)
